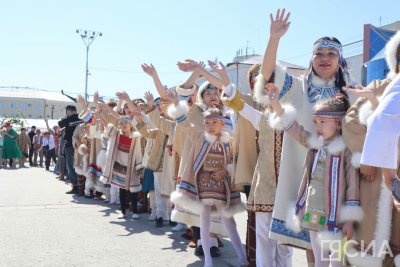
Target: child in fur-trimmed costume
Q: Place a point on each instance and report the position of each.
(124, 161)
(206, 183)
(328, 200)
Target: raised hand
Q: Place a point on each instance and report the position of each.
(149, 69)
(272, 91)
(280, 24)
(220, 70)
(96, 97)
(189, 65)
(122, 95)
(149, 98)
(81, 102)
(171, 95)
(363, 92)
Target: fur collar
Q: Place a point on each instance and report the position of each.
(391, 52)
(336, 146)
(224, 138)
(318, 82)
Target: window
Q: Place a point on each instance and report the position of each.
(24, 106)
(1, 105)
(13, 105)
(36, 106)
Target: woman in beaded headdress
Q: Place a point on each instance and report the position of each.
(324, 78)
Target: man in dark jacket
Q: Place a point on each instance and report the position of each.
(65, 122)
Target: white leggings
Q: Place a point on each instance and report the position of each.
(230, 225)
(321, 257)
(268, 252)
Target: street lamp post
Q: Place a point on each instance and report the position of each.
(87, 37)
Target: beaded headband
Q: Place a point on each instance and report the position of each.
(125, 118)
(328, 44)
(328, 114)
(215, 117)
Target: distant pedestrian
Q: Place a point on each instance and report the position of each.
(10, 147)
(31, 134)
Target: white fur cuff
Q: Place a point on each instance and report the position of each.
(228, 92)
(186, 92)
(259, 90)
(283, 121)
(83, 149)
(186, 202)
(356, 160)
(365, 112)
(293, 221)
(351, 213)
(234, 209)
(176, 111)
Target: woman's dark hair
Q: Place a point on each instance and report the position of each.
(342, 76)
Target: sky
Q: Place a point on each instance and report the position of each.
(40, 48)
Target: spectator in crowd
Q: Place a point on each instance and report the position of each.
(24, 144)
(37, 148)
(31, 134)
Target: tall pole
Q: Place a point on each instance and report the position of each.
(87, 37)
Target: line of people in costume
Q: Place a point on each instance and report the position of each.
(318, 166)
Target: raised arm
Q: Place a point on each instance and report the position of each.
(278, 28)
(123, 96)
(152, 72)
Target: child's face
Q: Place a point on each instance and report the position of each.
(125, 126)
(213, 126)
(211, 98)
(325, 127)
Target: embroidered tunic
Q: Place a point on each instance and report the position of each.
(210, 189)
(121, 162)
(314, 215)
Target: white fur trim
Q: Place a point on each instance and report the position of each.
(232, 210)
(136, 134)
(351, 213)
(391, 54)
(357, 258)
(101, 158)
(356, 160)
(103, 180)
(176, 111)
(336, 146)
(365, 112)
(397, 261)
(292, 221)
(259, 90)
(83, 149)
(259, 87)
(199, 99)
(384, 217)
(185, 92)
(283, 121)
(210, 138)
(187, 202)
(313, 142)
(85, 164)
(225, 137)
(325, 236)
(232, 88)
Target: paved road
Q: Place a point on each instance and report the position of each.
(42, 226)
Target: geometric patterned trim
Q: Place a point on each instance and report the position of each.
(287, 85)
(278, 226)
(187, 187)
(260, 207)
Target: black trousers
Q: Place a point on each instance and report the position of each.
(31, 155)
(124, 200)
(50, 154)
